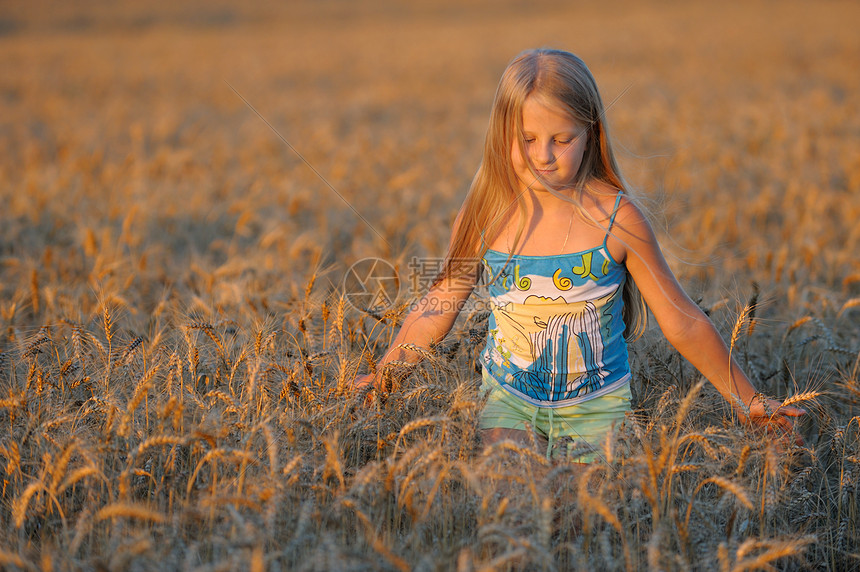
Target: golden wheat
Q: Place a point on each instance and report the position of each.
(127, 510)
(177, 346)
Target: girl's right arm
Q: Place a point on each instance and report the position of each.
(427, 324)
(429, 321)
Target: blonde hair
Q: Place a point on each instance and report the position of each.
(563, 79)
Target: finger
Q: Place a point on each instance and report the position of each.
(782, 421)
(773, 424)
(785, 425)
(791, 411)
(789, 435)
(788, 430)
(776, 428)
(362, 381)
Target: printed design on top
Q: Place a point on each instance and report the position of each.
(551, 321)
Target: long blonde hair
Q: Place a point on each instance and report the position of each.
(561, 78)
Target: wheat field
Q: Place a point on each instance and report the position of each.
(177, 348)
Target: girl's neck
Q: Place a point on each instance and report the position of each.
(546, 202)
(552, 225)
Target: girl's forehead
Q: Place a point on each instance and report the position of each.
(540, 108)
(542, 98)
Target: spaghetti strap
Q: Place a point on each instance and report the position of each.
(612, 216)
(615, 210)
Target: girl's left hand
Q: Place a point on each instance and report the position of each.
(773, 417)
(362, 380)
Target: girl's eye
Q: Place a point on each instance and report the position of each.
(556, 141)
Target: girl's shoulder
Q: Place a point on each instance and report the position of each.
(607, 202)
(604, 202)
(629, 215)
(622, 216)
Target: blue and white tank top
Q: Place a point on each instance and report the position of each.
(556, 333)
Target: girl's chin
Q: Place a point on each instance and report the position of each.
(541, 182)
(541, 185)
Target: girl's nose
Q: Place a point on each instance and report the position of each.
(542, 154)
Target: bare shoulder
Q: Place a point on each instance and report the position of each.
(629, 215)
(605, 202)
(630, 228)
(600, 200)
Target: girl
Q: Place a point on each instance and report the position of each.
(572, 262)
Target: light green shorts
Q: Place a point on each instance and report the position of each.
(586, 424)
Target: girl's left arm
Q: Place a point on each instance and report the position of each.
(684, 324)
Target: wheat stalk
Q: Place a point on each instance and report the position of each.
(128, 510)
(414, 426)
(19, 505)
(11, 559)
(510, 446)
(142, 386)
(800, 398)
(76, 476)
(271, 449)
(215, 454)
(58, 468)
(725, 484)
(373, 538)
(852, 303)
(775, 551)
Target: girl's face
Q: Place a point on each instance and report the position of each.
(554, 143)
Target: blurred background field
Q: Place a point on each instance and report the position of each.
(174, 349)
